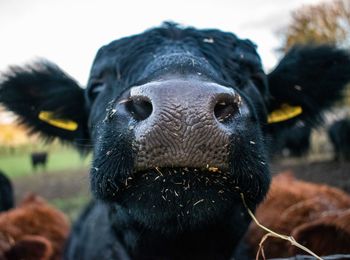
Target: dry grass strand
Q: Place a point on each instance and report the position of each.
(271, 233)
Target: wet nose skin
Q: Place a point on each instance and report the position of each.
(186, 124)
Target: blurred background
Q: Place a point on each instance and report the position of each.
(69, 33)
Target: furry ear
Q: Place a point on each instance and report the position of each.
(30, 247)
(306, 81)
(46, 100)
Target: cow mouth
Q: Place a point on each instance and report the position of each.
(185, 195)
(180, 187)
(180, 178)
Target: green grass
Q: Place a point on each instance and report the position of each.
(63, 158)
(62, 162)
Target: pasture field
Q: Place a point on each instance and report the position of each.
(64, 182)
(67, 190)
(17, 162)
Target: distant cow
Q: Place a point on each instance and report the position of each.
(293, 141)
(39, 158)
(339, 135)
(6, 193)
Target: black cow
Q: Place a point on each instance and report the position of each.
(6, 193)
(339, 135)
(177, 119)
(294, 141)
(38, 158)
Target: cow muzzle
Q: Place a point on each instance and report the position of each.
(183, 123)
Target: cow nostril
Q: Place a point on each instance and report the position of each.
(225, 109)
(139, 108)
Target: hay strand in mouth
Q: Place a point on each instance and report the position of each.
(271, 233)
(157, 169)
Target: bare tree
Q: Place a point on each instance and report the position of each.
(327, 22)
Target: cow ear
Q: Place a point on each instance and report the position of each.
(47, 101)
(306, 82)
(30, 247)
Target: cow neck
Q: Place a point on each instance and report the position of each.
(212, 242)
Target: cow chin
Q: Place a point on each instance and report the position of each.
(181, 198)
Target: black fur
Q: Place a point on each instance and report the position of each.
(6, 193)
(173, 212)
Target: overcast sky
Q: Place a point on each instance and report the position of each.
(69, 32)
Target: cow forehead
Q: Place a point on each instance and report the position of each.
(214, 46)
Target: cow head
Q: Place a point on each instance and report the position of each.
(177, 119)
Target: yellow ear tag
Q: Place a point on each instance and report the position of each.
(65, 124)
(284, 113)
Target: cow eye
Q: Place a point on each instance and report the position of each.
(95, 89)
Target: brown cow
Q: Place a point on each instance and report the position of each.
(33, 230)
(317, 216)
